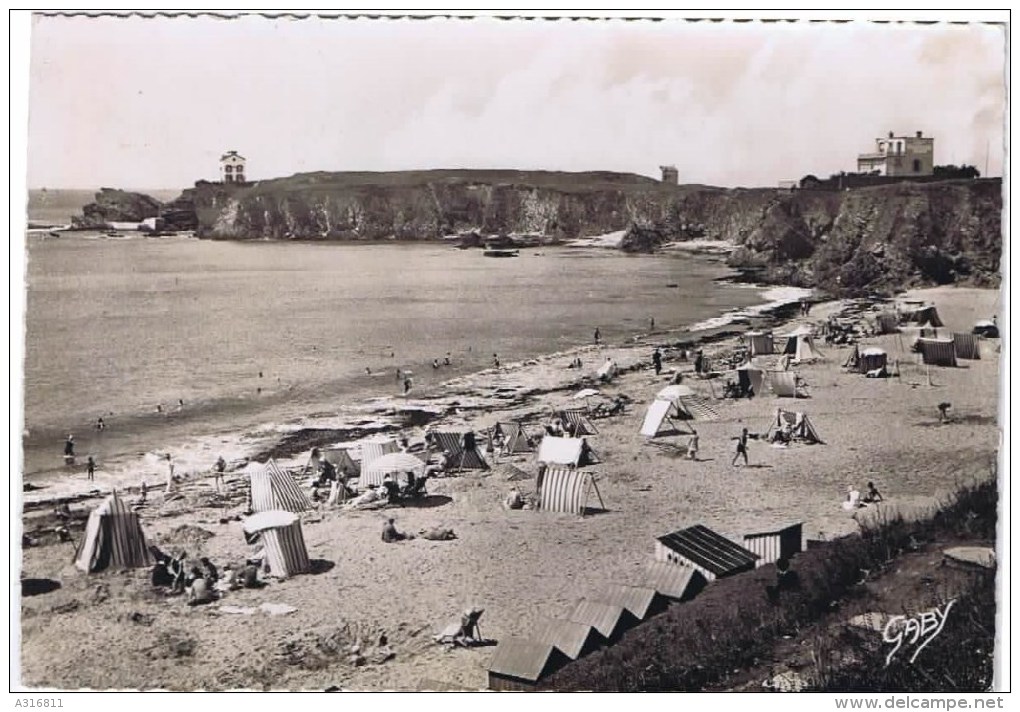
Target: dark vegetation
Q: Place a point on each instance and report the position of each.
(734, 622)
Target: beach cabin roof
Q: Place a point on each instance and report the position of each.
(641, 601)
(521, 659)
(713, 552)
(569, 637)
(674, 581)
(607, 618)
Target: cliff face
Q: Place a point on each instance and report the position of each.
(878, 238)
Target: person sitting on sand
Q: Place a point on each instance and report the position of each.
(514, 500)
(392, 489)
(250, 576)
(853, 499)
(161, 576)
(873, 496)
(390, 533)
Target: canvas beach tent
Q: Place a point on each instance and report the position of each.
(461, 450)
(751, 378)
(515, 438)
(937, 352)
(966, 346)
(674, 404)
(340, 458)
(800, 345)
(577, 423)
(113, 538)
(800, 426)
(760, 343)
(278, 535)
(395, 464)
(375, 449)
(786, 384)
(574, 452)
(887, 323)
(564, 489)
(922, 316)
(868, 359)
(273, 489)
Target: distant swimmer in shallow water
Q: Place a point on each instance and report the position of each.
(446, 361)
(407, 385)
(495, 361)
(598, 336)
(100, 425)
(435, 363)
(159, 407)
(368, 371)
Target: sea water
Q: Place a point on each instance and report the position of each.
(246, 334)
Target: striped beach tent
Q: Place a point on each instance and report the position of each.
(577, 423)
(113, 537)
(937, 352)
(459, 457)
(376, 448)
(675, 403)
(565, 489)
(273, 489)
(966, 346)
(279, 535)
(515, 439)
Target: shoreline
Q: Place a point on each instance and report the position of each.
(470, 392)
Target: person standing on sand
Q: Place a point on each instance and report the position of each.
(144, 490)
(651, 323)
(692, 447)
(91, 469)
(657, 360)
(218, 469)
(741, 448)
(69, 449)
(598, 336)
(169, 473)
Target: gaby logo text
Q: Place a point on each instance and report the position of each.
(917, 630)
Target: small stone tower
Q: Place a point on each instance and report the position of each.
(670, 175)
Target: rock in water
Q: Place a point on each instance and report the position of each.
(116, 206)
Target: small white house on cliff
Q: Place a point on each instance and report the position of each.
(232, 167)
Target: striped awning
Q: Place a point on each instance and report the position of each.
(272, 489)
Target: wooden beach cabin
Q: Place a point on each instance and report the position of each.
(780, 542)
(713, 555)
(676, 582)
(610, 620)
(519, 664)
(573, 639)
(643, 602)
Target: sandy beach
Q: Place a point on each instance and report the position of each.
(517, 565)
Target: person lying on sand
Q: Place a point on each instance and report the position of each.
(367, 498)
(437, 534)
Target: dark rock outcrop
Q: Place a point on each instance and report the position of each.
(115, 206)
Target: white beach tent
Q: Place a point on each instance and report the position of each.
(279, 533)
(566, 451)
(800, 344)
(673, 403)
(113, 537)
(395, 463)
(750, 376)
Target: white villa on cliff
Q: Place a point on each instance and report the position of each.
(232, 167)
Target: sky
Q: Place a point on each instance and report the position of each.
(153, 102)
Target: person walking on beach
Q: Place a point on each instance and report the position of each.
(651, 323)
(91, 468)
(69, 449)
(692, 446)
(218, 469)
(741, 448)
(144, 490)
(657, 361)
(598, 336)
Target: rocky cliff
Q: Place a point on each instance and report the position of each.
(867, 239)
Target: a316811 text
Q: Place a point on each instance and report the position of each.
(44, 702)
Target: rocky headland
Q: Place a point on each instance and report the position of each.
(873, 239)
